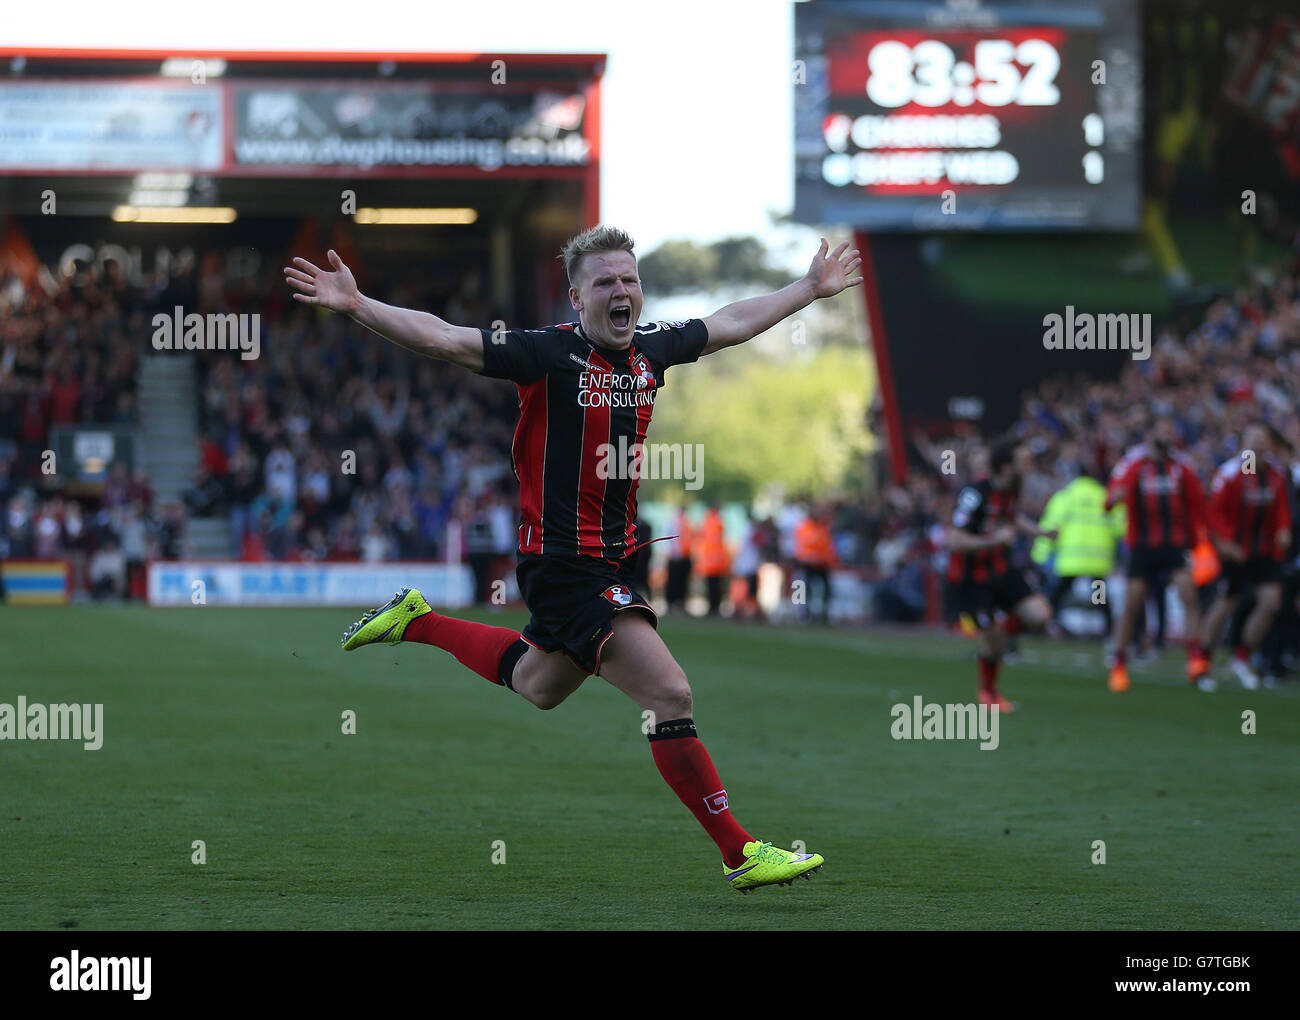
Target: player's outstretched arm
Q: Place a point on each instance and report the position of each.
(743, 320)
(419, 332)
(962, 541)
(1026, 525)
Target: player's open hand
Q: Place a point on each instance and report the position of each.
(830, 275)
(312, 285)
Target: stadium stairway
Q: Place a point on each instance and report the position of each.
(169, 423)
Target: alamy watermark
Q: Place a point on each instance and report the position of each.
(919, 721)
(1084, 331)
(77, 973)
(53, 722)
(683, 461)
(215, 331)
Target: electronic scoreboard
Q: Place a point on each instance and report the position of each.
(915, 116)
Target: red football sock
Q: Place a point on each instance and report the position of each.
(988, 674)
(687, 768)
(1241, 652)
(1012, 625)
(475, 645)
(1194, 649)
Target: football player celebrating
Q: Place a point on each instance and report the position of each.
(985, 586)
(586, 387)
(1166, 518)
(1250, 526)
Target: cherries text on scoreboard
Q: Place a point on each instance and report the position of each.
(917, 111)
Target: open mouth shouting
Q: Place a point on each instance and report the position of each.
(620, 316)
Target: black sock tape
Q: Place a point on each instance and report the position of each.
(512, 655)
(672, 729)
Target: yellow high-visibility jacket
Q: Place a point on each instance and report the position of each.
(1087, 534)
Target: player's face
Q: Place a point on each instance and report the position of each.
(608, 298)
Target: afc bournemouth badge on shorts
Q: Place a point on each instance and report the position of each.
(716, 802)
(618, 595)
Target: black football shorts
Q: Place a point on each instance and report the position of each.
(574, 600)
(1152, 564)
(980, 600)
(1238, 577)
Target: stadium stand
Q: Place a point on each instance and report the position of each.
(410, 460)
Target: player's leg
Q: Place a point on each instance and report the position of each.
(408, 617)
(491, 652)
(1198, 665)
(635, 660)
(1056, 593)
(1135, 602)
(823, 576)
(1216, 619)
(1161, 606)
(1018, 607)
(713, 587)
(1268, 600)
(1097, 585)
(1022, 607)
(1283, 638)
(973, 602)
(1237, 621)
(1033, 612)
(1030, 611)
(753, 610)
(990, 649)
(1140, 638)
(545, 678)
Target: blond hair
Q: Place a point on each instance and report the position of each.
(589, 242)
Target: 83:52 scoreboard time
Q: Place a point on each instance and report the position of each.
(915, 116)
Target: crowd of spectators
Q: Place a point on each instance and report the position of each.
(335, 446)
(331, 445)
(1239, 363)
(67, 357)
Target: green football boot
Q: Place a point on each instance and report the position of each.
(388, 622)
(769, 865)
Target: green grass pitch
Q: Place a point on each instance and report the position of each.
(225, 726)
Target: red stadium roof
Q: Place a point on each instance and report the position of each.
(592, 61)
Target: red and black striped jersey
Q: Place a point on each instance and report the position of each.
(583, 415)
(1163, 497)
(1250, 508)
(981, 510)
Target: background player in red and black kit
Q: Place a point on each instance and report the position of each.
(984, 584)
(586, 392)
(1166, 518)
(1250, 526)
